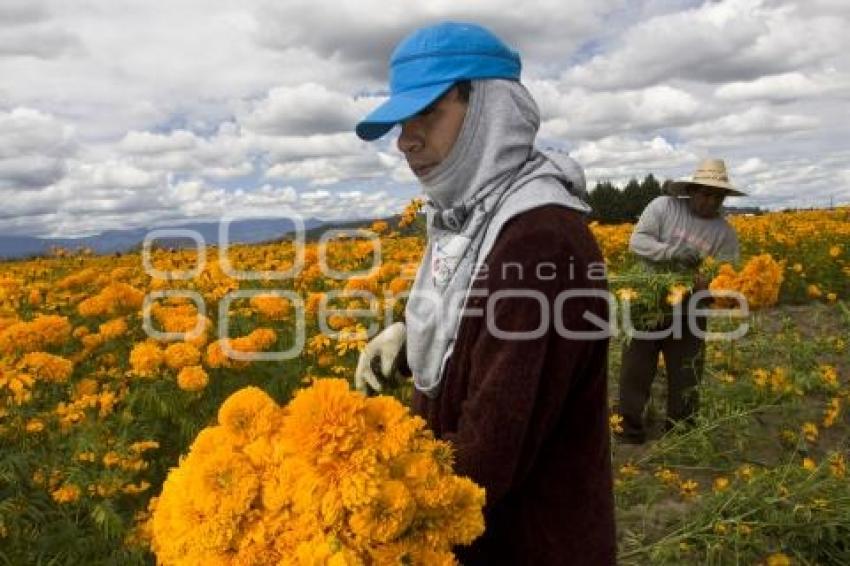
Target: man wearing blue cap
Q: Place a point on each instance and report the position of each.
(507, 363)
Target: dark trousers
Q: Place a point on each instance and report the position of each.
(683, 358)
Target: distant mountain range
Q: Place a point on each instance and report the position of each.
(240, 231)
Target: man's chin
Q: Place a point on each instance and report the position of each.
(423, 171)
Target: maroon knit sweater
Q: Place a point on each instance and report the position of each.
(529, 418)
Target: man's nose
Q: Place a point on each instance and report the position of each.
(410, 139)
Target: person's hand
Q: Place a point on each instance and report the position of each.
(380, 360)
(688, 256)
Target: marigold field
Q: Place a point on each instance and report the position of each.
(95, 412)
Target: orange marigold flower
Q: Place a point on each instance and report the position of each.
(327, 434)
(272, 306)
(399, 285)
(181, 354)
(259, 339)
(68, 493)
(828, 375)
(720, 483)
(810, 432)
(248, 413)
(113, 329)
(47, 366)
(627, 294)
(111, 459)
(338, 322)
(832, 412)
(86, 386)
(80, 331)
(689, 489)
(778, 559)
(389, 515)
(42, 332)
(92, 341)
(311, 305)
(117, 297)
(368, 284)
(676, 294)
(837, 465)
(215, 356)
(192, 378)
(146, 358)
(34, 425)
(143, 446)
(615, 422)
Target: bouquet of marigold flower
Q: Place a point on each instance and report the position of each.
(333, 477)
(649, 292)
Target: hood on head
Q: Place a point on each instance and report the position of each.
(494, 142)
(569, 172)
(495, 147)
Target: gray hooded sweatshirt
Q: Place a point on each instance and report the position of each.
(492, 173)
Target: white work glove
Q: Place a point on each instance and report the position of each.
(381, 359)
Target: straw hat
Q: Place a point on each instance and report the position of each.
(710, 173)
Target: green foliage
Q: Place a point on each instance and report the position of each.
(611, 204)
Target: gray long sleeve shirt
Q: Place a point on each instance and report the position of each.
(667, 225)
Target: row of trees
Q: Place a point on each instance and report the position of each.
(611, 204)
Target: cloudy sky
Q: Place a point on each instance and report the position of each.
(127, 113)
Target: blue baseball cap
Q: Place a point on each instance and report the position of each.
(428, 62)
